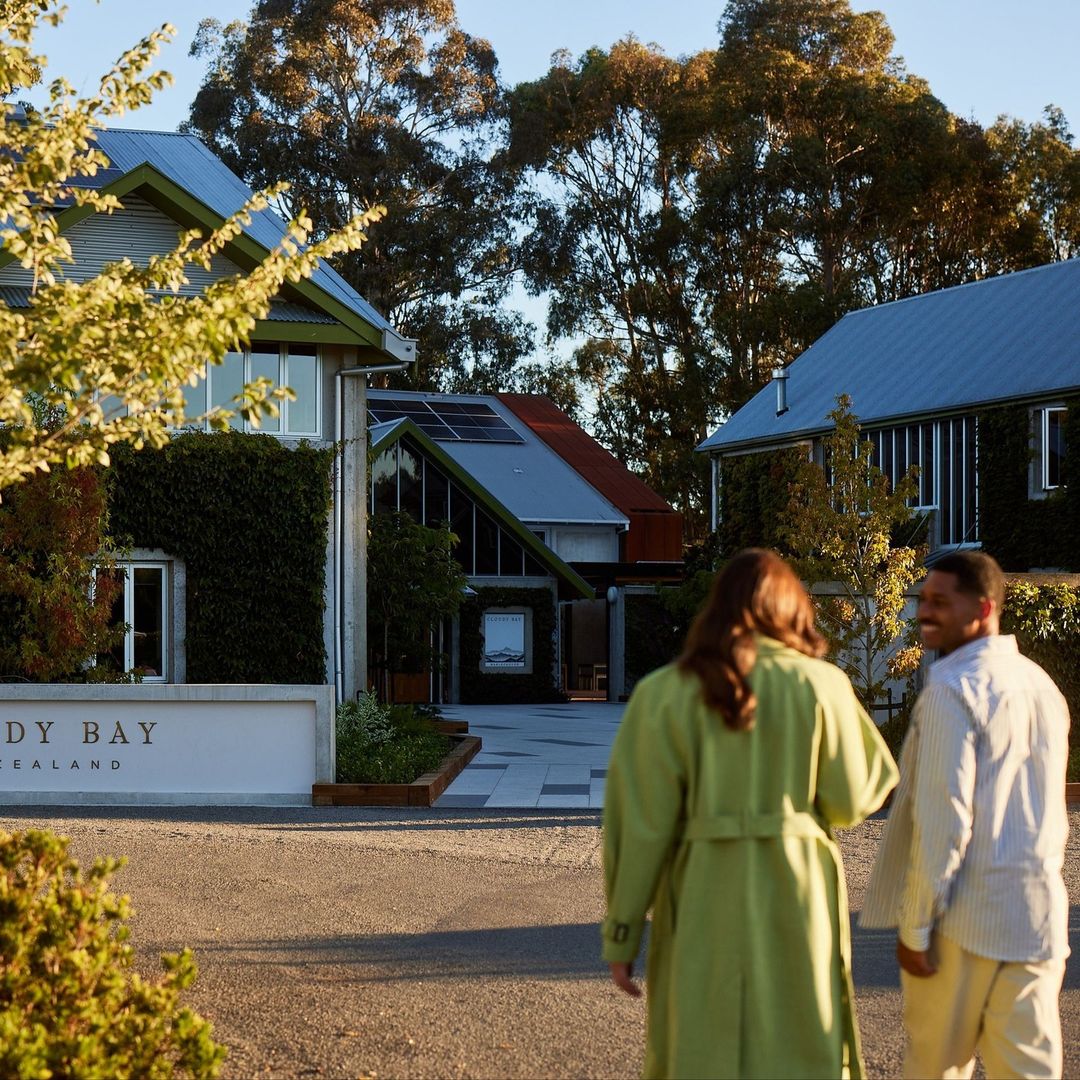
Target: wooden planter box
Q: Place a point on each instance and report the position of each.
(1072, 795)
(421, 792)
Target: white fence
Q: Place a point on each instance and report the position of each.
(141, 744)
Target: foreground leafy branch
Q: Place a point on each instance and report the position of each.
(128, 336)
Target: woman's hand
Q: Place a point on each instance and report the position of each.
(622, 977)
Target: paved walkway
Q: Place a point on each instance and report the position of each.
(545, 756)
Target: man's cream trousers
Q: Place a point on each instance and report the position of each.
(1009, 1011)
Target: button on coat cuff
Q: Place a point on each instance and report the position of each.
(621, 940)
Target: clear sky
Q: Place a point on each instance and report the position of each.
(981, 57)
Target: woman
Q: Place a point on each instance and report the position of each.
(728, 770)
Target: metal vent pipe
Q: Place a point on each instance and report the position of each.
(780, 377)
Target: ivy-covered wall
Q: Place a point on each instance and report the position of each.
(249, 519)
(482, 688)
(753, 492)
(1018, 531)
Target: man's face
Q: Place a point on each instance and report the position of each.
(949, 618)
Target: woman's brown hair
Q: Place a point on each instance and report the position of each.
(756, 592)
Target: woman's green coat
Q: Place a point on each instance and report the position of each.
(725, 835)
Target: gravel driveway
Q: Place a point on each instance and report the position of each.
(355, 942)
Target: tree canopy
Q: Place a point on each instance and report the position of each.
(692, 223)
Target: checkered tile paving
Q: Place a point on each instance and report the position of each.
(547, 757)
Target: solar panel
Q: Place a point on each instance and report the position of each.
(446, 421)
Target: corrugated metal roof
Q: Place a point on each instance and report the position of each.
(15, 296)
(18, 296)
(529, 478)
(191, 165)
(1011, 337)
(583, 453)
(283, 311)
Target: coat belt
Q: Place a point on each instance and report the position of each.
(747, 826)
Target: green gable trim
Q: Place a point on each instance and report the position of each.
(317, 333)
(247, 253)
(532, 544)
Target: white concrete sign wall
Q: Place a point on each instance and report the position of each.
(74, 744)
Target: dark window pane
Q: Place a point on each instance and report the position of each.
(957, 481)
(534, 568)
(945, 490)
(887, 462)
(410, 480)
(461, 524)
(148, 620)
(384, 482)
(487, 544)
(1055, 446)
(436, 496)
(926, 481)
(510, 555)
(971, 484)
(113, 660)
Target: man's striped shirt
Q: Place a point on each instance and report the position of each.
(975, 841)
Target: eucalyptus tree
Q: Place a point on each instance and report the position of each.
(381, 102)
(608, 247)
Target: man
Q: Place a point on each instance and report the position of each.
(969, 868)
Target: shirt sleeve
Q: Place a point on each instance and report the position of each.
(855, 769)
(643, 809)
(941, 808)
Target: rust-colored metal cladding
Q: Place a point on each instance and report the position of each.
(655, 533)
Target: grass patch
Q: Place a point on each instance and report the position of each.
(386, 744)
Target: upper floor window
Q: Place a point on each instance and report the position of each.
(1053, 448)
(293, 365)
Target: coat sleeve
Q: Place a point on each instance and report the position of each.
(855, 769)
(643, 809)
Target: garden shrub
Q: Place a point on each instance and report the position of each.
(386, 744)
(69, 1003)
(1046, 621)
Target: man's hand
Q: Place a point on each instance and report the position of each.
(622, 977)
(913, 962)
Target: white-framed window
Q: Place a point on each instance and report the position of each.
(142, 605)
(1052, 450)
(295, 365)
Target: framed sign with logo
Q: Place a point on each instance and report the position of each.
(507, 641)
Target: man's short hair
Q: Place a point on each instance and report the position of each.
(976, 573)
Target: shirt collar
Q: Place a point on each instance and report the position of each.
(979, 651)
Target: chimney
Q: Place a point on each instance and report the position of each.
(780, 377)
